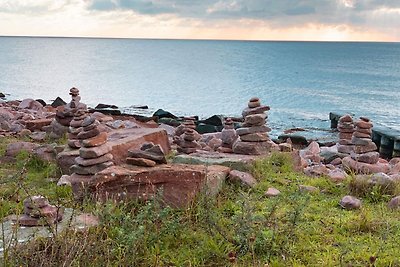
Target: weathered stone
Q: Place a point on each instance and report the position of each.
(38, 136)
(186, 150)
(89, 162)
(88, 121)
(91, 126)
(242, 177)
(361, 167)
(272, 192)
(363, 124)
(257, 110)
(64, 180)
(346, 118)
(369, 157)
(254, 137)
(73, 143)
(316, 170)
(254, 148)
(345, 142)
(89, 170)
(394, 203)
(94, 152)
(350, 203)
(228, 136)
(76, 123)
(360, 141)
(35, 202)
(141, 162)
(97, 140)
(362, 135)
(360, 149)
(337, 175)
(347, 136)
(75, 131)
(308, 189)
(254, 120)
(89, 134)
(179, 183)
(30, 104)
(250, 130)
(285, 147)
(14, 149)
(37, 124)
(365, 131)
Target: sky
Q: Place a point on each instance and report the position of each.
(306, 20)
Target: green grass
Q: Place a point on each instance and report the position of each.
(239, 227)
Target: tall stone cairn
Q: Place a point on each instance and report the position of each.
(253, 136)
(228, 136)
(75, 127)
(346, 130)
(94, 154)
(364, 148)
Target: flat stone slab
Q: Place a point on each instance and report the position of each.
(177, 184)
(233, 161)
(120, 141)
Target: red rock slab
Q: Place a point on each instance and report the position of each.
(95, 141)
(178, 184)
(122, 140)
(38, 124)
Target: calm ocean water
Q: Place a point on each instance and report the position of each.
(301, 81)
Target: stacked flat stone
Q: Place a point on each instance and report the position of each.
(38, 212)
(346, 130)
(75, 128)
(94, 154)
(187, 143)
(65, 116)
(228, 136)
(187, 123)
(253, 135)
(364, 148)
(148, 156)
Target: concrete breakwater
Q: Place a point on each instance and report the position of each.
(386, 139)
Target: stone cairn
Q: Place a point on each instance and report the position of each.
(228, 136)
(38, 212)
(75, 127)
(187, 143)
(94, 154)
(364, 148)
(148, 156)
(346, 130)
(65, 116)
(253, 135)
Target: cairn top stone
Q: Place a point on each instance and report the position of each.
(35, 202)
(346, 118)
(365, 119)
(254, 102)
(74, 91)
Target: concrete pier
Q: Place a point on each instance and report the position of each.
(386, 139)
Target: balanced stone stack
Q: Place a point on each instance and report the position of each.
(148, 156)
(75, 128)
(38, 212)
(187, 143)
(228, 136)
(346, 130)
(188, 123)
(94, 154)
(364, 148)
(64, 116)
(253, 135)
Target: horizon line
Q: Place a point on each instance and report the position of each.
(195, 39)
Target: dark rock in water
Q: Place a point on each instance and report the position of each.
(169, 121)
(41, 101)
(160, 113)
(215, 120)
(105, 106)
(208, 128)
(296, 139)
(141, 107)
(108, 111)
(2, 95)
(58, 102)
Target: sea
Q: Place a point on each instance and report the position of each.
(302, 82)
